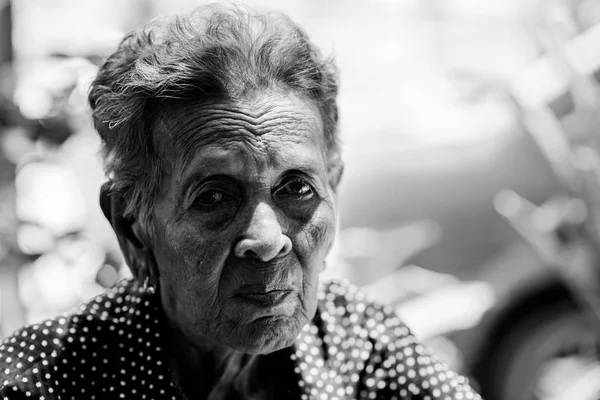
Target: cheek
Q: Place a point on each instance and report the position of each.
(194, 250)
(184, 251)
(315, 238)
(190, 264)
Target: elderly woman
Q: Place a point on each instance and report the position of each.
(221, 144)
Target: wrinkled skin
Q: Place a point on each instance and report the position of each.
(254, 204)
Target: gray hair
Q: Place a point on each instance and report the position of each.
(214, 53)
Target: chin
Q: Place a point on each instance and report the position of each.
(267, 335)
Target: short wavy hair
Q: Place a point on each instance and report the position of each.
(214, 53)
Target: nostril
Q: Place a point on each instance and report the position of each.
(286, 247)
(263, 250)
(243, 249)
(247, 254)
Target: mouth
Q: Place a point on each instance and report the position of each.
(264, 302)
(268, 298)
(263, 294)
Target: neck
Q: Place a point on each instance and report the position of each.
(207, 370)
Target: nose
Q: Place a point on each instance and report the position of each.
(263, 238)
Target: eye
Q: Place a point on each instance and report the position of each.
(211, 197)
(298, 188)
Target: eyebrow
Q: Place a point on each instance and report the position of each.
(304, 166)
(200, 173)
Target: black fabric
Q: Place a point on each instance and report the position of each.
(113, 347)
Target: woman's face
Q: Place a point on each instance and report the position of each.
(243, 225)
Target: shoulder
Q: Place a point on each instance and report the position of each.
(345, 303)
(27, 357)
(39, 358)
(390, 360)
(361, 320)
(360, 323)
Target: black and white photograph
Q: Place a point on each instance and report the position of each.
(300, 199)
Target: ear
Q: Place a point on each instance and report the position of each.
(132, 240)
(336, 171)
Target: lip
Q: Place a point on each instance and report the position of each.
(263, 295)
(268, 299)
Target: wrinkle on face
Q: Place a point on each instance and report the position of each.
(218, 123)
(255, 144)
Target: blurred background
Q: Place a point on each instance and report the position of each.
(470, 198)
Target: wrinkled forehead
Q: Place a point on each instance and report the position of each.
(181, 129)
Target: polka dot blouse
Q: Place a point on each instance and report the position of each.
(113, 348)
